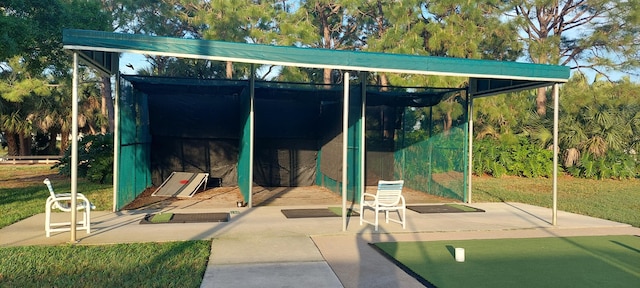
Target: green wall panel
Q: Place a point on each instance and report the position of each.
(244, 157)
(134, 146)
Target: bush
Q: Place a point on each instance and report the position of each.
(615, 165)
(95, 159)
(520, 158)
(527, 160)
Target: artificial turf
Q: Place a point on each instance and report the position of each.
(598, 261)
(161, 218)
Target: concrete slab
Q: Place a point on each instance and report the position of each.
(267, 275)
(260, 249)
(260, 246)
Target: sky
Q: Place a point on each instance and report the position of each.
(136, 60)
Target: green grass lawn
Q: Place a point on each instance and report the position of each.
(171, 264)
(22, 193)
(616, 200)
(602, 261)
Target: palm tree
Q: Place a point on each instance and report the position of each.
(19, 90)
(12, 126)
(594, 121)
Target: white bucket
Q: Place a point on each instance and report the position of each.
(460, 254)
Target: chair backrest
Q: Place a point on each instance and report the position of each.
(389, 192)
(48, 183)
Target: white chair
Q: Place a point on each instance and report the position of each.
(388, 198)
(63, 202)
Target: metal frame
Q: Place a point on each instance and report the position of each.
(493, 77)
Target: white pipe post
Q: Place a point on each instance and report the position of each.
(252, 88)
(116, 141)
(470, 146)
(556, 105)
(74, 148)
(363, 88)
(345, 142)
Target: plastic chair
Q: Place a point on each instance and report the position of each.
(62, 202)
(388, 198)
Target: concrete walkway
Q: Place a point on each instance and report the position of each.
(259, 247)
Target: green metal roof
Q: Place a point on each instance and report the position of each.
(487, 76)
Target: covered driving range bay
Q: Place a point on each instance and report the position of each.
(196, 126)
(343, 137)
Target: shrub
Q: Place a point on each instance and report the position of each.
(613, 164)
(95, 159)
(520, 158)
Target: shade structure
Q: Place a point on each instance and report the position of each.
(101, 50)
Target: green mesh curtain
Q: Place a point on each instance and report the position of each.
(435, 165)
(415, 134)
(425, 146)
(134, 157)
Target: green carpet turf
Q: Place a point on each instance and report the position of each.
(464, 208)
(161, 218)
(599, 261)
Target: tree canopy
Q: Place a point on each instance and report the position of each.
(590, 36)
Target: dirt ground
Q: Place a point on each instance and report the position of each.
(219, 197)
(265, 196)
(17, 179)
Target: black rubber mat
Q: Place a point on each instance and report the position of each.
(308, 213)
(189, 218)
(445, 208)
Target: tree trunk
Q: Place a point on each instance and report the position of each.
(388, 130)
(229, 69)
(51, 148)
(107, 104)
(326, 76)
(541, 98)
(326, 38)
(541, 101)
(64, 142)
(447, 122)
(384, 81)
(12, 144)
(25, 144)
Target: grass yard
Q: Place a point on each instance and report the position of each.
(616, 200)
(602, 261)
(22, 193)
(172, 264)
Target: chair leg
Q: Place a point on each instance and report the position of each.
(47, 220)
(87, 218)
(376, 220)
(404, 219)
(85, 223)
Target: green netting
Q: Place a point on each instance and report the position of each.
(425, 146)
(436, 165)
(133, 158)
(415, 134)
(432, 148)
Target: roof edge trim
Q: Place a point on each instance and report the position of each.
(310, 57)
